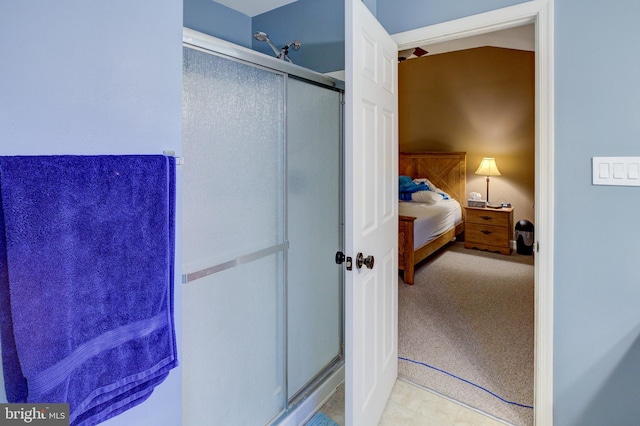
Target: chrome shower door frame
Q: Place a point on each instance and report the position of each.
(303, 400)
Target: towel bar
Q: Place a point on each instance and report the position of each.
(170, 153)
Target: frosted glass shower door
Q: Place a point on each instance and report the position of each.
(234, 242)
(314, 318)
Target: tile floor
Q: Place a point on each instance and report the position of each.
(410, 405)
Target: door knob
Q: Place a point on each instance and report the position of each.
(366, 261)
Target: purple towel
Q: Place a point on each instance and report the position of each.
(86, 280)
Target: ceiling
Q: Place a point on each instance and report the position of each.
(254, 7)
(519, 38)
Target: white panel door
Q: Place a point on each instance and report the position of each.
(371, 158)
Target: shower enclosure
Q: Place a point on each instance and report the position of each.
(262, 209)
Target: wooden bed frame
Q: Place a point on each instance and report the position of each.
(447, 171)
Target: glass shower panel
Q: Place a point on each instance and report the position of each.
(233, 228)
(233, 147)
(313, 199)
(233, 359)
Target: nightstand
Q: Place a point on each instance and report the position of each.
(488, 229)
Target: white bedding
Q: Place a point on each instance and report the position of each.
(432, 219)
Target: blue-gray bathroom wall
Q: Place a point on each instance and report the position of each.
(371, 5)
(403, 15)
(217, 20)
(319, 25)
(596, 274)
(87, 78)
(597, 279)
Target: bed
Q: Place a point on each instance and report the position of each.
(418, 235)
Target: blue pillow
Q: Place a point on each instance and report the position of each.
(406, 187)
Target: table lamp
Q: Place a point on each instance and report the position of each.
(488, 168)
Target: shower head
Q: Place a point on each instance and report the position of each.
(295, 44)
(284, 52)
(280, 53)
(260, 36)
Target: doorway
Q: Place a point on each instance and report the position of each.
(477, 98)
(540, 14)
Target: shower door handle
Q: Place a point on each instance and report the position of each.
(367, 261)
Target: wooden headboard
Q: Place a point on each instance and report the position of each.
(446, 170)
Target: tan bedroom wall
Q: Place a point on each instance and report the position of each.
(480, 101)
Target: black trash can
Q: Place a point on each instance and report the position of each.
(524, 237)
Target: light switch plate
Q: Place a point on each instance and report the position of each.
(619, 171)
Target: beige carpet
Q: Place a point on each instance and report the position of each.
(470, 315)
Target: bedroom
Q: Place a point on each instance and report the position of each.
(479, 100)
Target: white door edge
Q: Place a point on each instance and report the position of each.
(371, 215)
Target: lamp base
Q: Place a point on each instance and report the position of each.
(487, 189)
(494, 206)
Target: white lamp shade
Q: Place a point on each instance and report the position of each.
(488, 167)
